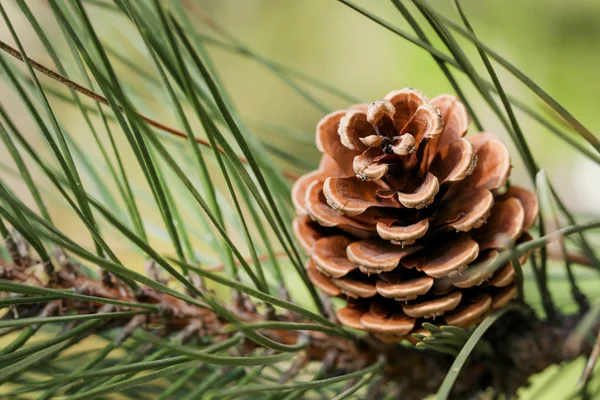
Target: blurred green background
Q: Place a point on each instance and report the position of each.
(555, 42)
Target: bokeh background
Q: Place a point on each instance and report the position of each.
(555, 42)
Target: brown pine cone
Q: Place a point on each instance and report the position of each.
(405, 213)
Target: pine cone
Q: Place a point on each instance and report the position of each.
(404, 215)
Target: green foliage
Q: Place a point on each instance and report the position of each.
(209, 193)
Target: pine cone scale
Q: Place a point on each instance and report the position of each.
(528, 201)
(447, 259)
(321, 281)
(352, 197)
(470, 313)
(402, 235)
(433, 307)
(454, 162)
(355, 288)
(405, 103)
(328, 142)
(329, 255)
(376, 255)
(465, 210)
(404, 290)
(503, 227)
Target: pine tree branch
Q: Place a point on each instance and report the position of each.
(572, 257)
(521, 344)
(102, 100)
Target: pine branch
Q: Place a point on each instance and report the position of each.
(171, 323)
(102, 100)
(577, 258)
(521, 344)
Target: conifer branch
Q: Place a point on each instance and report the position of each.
(102, 100)
(521, 344)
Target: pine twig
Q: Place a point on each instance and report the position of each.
(102, 100)
(589, 367)
(528, 344)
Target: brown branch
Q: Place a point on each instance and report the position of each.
(102, 100)
(575, 258)
(591, 363)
